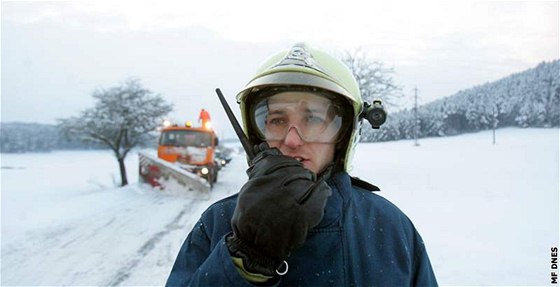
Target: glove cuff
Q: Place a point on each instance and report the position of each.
(253, 261)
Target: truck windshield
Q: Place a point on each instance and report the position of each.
(185, 138)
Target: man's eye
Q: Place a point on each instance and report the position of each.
(276, 121)
(315, 119)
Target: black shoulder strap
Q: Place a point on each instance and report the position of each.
(364, 184)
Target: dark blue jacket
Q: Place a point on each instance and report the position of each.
(363, 240)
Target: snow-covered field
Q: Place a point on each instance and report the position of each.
(488, 213)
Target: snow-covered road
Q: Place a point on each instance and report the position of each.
(96, 235)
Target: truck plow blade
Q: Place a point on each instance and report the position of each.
(170, 177)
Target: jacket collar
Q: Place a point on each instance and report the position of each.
(338, 201)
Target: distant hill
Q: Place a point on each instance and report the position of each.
(17, 137)
(527, 99)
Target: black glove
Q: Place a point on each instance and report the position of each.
(275, 210)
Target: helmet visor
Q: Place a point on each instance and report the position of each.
(315, 117)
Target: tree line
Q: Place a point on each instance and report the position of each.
(527, 99)
(20, 137)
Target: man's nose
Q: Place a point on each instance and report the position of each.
(292, 138)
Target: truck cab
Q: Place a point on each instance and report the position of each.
(192, 148)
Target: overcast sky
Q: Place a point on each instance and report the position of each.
(55, 54)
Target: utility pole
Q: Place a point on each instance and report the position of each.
(494, 122)
(416, 117)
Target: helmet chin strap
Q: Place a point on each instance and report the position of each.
(341, 149)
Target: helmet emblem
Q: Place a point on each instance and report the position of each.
(300, 56)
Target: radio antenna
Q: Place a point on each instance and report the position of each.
(247, 146)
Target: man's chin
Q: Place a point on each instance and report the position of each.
(309, 165)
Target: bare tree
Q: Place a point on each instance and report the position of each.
(123, 117)
(376, 81)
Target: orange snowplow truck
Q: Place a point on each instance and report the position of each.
(192, 148)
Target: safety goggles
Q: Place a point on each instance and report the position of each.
(315, 117)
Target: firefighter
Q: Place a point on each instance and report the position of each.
(301, 219)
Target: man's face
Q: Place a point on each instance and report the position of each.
(301, 125)
(314, 156)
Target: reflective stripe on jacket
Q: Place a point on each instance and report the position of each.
(362, 240)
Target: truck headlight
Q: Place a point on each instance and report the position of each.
(204, 171)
